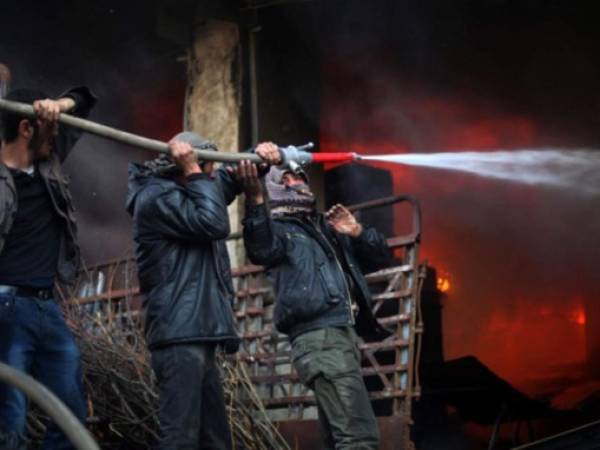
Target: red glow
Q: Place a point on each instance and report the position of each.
(513, 301)
(159, 116)
(443, 284)
(578, 316)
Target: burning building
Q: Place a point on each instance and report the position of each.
(516, 263)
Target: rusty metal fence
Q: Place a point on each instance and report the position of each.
(390, 367)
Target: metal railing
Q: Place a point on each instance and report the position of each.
(390, 367)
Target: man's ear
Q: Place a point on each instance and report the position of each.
(26, 129)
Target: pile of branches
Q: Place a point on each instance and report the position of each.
(122, 393)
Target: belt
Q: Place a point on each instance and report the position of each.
(23, 291)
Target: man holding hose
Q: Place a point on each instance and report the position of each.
(322, 299)
(180, 223)
(37, 247)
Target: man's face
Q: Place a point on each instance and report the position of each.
(297, 182)
(42, 140)
(292, 179)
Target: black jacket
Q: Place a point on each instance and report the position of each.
(313, 269)
(183, 265)
(57, 183)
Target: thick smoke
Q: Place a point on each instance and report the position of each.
(112, 47)
(456, 76)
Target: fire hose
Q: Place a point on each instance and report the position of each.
(58, 412)
(293, 157)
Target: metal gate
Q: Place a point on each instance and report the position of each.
(390, 367)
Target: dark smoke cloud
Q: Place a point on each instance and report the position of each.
(396, 76)
(113, 48)
(441, 76)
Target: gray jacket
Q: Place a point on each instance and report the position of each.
(57, 184)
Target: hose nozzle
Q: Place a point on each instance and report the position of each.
(294, 158)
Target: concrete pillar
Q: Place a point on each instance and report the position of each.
(212, 107)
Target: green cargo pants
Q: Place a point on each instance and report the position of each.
(328, 362)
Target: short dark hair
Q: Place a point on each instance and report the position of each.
(9, 122)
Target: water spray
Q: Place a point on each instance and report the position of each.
(577, 169)
(293, 157)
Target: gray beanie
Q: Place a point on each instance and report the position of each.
(163, 164)
(195, 140)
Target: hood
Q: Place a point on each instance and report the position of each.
(288, 199)
(139, 177)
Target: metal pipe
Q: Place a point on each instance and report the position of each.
(123, 136)
(390, 201)
(293, 157)
(377, 203)
(58, 412)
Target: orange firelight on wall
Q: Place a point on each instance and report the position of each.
(578, 316)
(443, 284)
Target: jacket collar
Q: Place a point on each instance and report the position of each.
(6, 176)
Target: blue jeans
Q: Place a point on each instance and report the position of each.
(35, 339)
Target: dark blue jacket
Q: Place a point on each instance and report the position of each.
(313, 270)
(183, 265)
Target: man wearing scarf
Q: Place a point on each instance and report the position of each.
(322, 299)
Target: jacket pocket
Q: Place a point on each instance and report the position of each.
(329, 284)
(301, 297)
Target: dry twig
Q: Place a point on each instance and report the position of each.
(122, 393)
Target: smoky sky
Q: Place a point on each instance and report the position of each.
(441, 76)
(533, 57)
(113, 48)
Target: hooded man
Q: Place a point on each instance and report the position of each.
(37, 247)
(315, 262)
(180, 223)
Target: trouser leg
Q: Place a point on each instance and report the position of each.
(191, 407)
(326, 434)
(18, 334)
(57, 365)
(328, 361)
(345, 404)
(216, 434)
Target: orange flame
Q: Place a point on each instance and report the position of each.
(443, 284)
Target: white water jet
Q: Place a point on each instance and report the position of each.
(574, 169)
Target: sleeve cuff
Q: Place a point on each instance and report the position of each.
(254, 211)
(361, 236)
(198, 176)
(83, 97)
